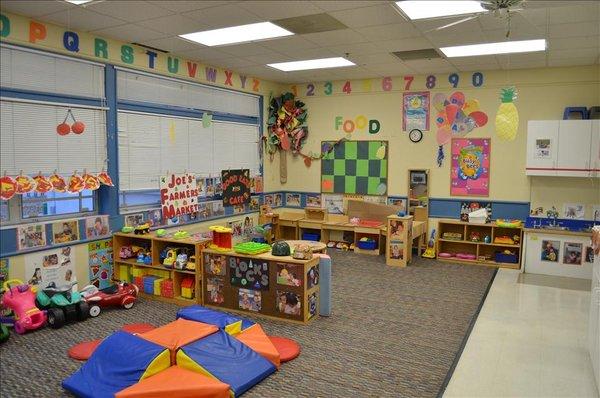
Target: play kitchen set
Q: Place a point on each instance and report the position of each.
(273, 284)
(162, 265)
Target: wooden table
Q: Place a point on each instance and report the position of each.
(317, 247)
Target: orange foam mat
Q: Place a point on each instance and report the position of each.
(176, 382)
(288, 348)
(178, 333)
(256, 338)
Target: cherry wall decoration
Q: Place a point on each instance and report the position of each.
(387, 84)
(76, 128)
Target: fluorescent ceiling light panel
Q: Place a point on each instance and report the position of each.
(78, 2)
(505, 47)
(321, 63)
(237, 34)
(435, 9)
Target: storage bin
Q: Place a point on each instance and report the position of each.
(311, 236)
(506, 258)
(149, 284)
(124, 274)
(367, 245)
(139, 282)
(157, 290)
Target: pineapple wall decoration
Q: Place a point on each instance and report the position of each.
(507, 118)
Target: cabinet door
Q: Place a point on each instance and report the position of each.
(542, 147)
(574, 140)
(595, 149)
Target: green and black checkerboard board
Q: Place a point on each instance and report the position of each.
(356, 167)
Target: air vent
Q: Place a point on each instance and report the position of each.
(425, 53)
(310, 23)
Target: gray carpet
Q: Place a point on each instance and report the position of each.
(394, 332)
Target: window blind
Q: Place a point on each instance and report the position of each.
(152, 145)
(144, 88)
(29, 141)
(29, 70)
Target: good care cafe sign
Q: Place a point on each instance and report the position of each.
(20, 30)
(178, 195)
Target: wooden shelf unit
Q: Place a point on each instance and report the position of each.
(480, 248)
(155, 245)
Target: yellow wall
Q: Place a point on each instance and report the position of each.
(543, 94)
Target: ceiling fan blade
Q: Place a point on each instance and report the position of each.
(452, 24)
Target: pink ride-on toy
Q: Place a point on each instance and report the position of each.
(20, 298)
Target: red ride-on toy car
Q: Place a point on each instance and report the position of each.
(20, 298)
(122, 294)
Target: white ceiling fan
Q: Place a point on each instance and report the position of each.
(498, 8)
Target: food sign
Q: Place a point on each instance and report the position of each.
(178, 195)
(236, 187)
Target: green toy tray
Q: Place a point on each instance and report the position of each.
(251, 248)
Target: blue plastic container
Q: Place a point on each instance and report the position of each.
(311, 236)
(367, 245)
(506, 258)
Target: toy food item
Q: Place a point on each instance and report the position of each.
(502, 222)
(58, 183)
(474, 236)
(280, 248)
(507, 118)
(42, 184)
(302, 252)
(75, 183)
(90, 181)
(8, 187)
(127, 229)
(466, 256)
(24, 184)
(161, 232)
(181, 234)
(63, 129)
(105, 179)
(504, 240)
(445, 255)
(78, 127)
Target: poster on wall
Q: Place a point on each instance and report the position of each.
(468, 207)
(277, 200)
(133, 220)
(574, 211)
(596, 213)
(397, 202)
(31, 236)
(572, 253)
(97, 227)
(254, 204)
(313, 200)
(589, 254)
(292, 199)
(236, 187)
(178, 194)
(154, 218)
(550, 250)
(4, 268)
(100, 261)
(249, 273)
(65, 231)
(415, 111)
(334, 203)
(54, 267)
(470, 167)
(250, 300)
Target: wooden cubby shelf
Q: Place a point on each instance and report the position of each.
(484, 252)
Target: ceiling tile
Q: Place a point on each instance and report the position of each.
(174, 25)
(235, 62)
(389, 32)
(570, 14)
(463, 27)
(373, 59)
(573, 61)
(309, 53)
(382, 14)
(246, 49)
(466, 61)
(337, 5)
(519, 61)
(188, 5)
(574, 53)
(82, 19)
(130, 33)
(391, 69)
(224, 16)
(480, 67)
(202, 53)
(498, 35)
(289, 43)
(270, 10)
(335, 37)
(574, 42)
(430, 65)
(413, 43)
(34, 8)
(171, 44)
(573, 30)
(130, 10)
(536, 16)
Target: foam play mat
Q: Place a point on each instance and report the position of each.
(203, 353)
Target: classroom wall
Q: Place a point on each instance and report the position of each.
(542, 94)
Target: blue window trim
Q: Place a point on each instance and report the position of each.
(51, 97)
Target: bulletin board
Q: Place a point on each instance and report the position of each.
(355, 167)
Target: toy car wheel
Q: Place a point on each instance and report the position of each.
(19, 329)
(70, 312)
(94, 311)
(83, 311)
(56, 318)
(128, 303)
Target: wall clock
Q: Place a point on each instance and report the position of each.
(415, 135)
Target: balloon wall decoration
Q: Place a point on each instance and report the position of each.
(456, 117)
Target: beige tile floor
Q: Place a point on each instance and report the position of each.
(528, 341)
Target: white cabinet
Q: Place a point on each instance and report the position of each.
(569, 148)
(542, 147)
(594, 322)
